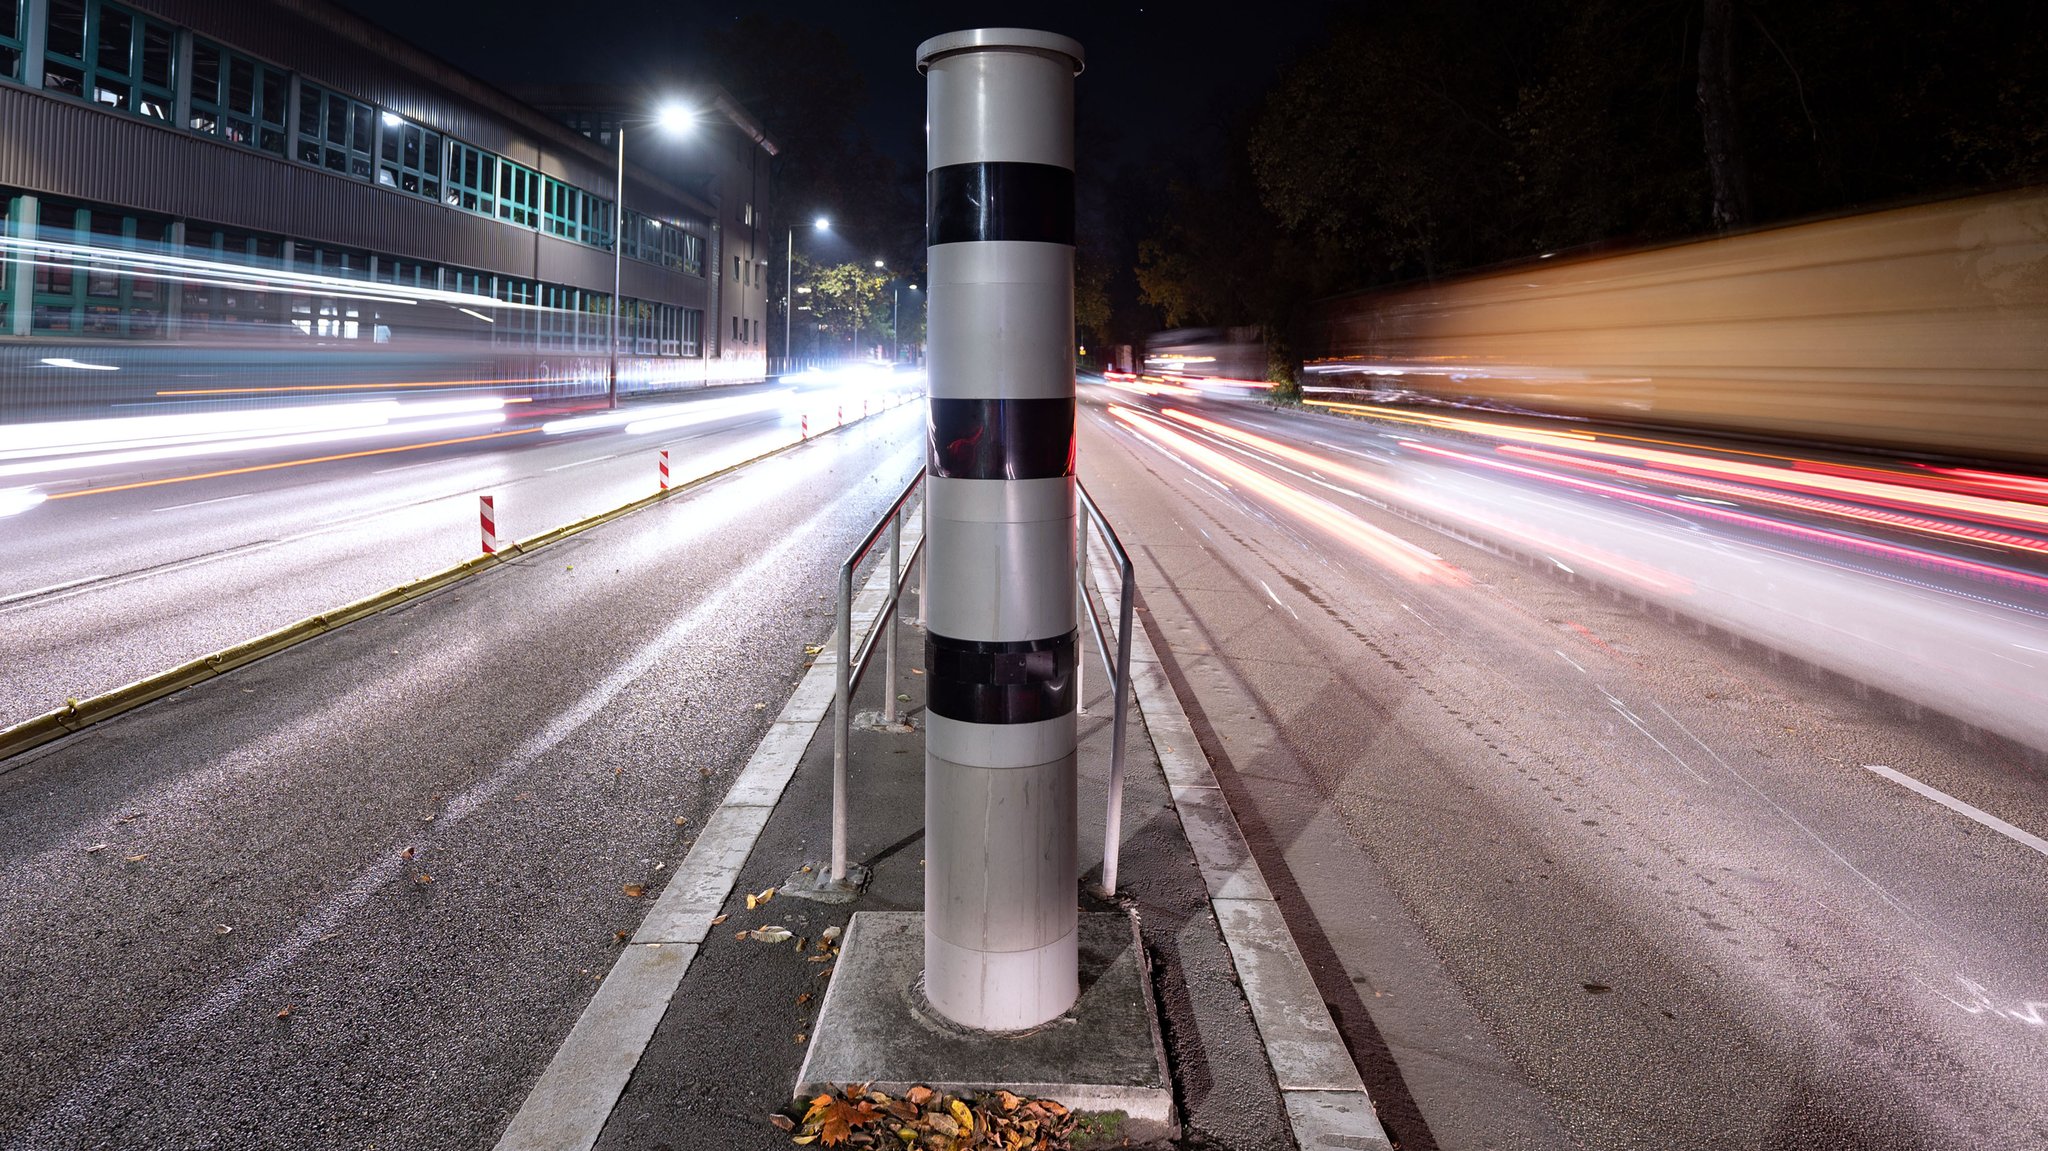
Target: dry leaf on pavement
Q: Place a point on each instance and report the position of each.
(634, 890)
(770, 933)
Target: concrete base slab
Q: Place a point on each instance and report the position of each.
(873, 721)
(818, 886)
(1103, 1057)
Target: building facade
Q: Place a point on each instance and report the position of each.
(724, 157)
(257, 153)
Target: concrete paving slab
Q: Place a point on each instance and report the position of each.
(1103, 1056)
(566, 1109)
(1220, 851)
(1335, 1121)
(693, 897)
(761, 782)
(1301, 1040)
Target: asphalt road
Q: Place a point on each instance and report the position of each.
(356, 894)
(133, 565)
(1579, 854)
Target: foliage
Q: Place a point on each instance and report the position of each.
(845, 299)
(924, 1118)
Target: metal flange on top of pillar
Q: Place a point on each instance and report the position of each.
(1001, 874)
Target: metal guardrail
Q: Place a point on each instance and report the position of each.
(853, 666)
(851, 669)
(1119, 670)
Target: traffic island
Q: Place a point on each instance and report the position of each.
(1103, 1058)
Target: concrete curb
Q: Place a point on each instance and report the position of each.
(568, 1107)
(1327, 1105)
(78, 715)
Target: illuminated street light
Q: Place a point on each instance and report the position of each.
(672, 117)
(822, 224)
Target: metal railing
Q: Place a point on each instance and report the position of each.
(1119, 670)
(853, 666)
(851, 669)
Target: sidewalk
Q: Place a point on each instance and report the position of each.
(732, 1035)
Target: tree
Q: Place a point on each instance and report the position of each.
(848, 301)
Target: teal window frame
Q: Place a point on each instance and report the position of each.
(336, 132)
(238, 99)
(98, 298)
(13, 37)
(595, 228)
(560, 206)
(329, 317)
(220, 308)
(9, 205)
(115, 58)
(410, 158)
(518, 194)
(471, 182)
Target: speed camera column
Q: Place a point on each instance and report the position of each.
(1001, 882)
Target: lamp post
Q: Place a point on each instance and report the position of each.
(822, 224)
(671, 118)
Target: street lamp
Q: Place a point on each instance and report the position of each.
(895, 334)
(672, 117)
(822, 224)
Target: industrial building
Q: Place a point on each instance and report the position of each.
(222, 172)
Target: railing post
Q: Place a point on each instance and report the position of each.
(1112, 841)
(888, 621)
(842, 720)
(1081, 609)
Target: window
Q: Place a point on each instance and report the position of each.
(227, 307)
(106, 54)
(12, 41)
(559, 204)
(409, 159)
(472, 179)
(95, 291)
(693, 332)
(329, 317)
(596, 227)
(10, 207)
(237, 99)
(518, 194)
(335, 132)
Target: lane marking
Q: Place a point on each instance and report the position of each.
(580, 463)
(1575, 663)
(408, 467)
(203, 503)
(1959, 807)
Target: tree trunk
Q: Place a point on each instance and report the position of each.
(1726, 172)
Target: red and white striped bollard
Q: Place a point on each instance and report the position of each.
(489, 516)
(664, 469)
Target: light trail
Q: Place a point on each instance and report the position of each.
(292, 463)
(1390, 551)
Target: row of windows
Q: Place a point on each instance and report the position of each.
(119, 59)
(106, 297)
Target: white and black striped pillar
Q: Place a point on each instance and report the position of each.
(1001, 883)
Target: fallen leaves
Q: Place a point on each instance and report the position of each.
(137, 858)
(222, 929)
(924, 1118)
(681, 820)
(95, 849)
(285, 1012)
(759, 898)
(718, 920)
(769, 933)
(634, 890)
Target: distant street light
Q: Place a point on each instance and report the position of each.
(822, 224)
(672, 117)
(895, 336)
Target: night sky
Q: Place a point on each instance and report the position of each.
(1163, 78)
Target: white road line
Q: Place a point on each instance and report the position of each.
(203, 503)
(1575, 663)
(408, 467)
(34, 592)
(1958, 806)
(579, 463)
(1276, 599)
